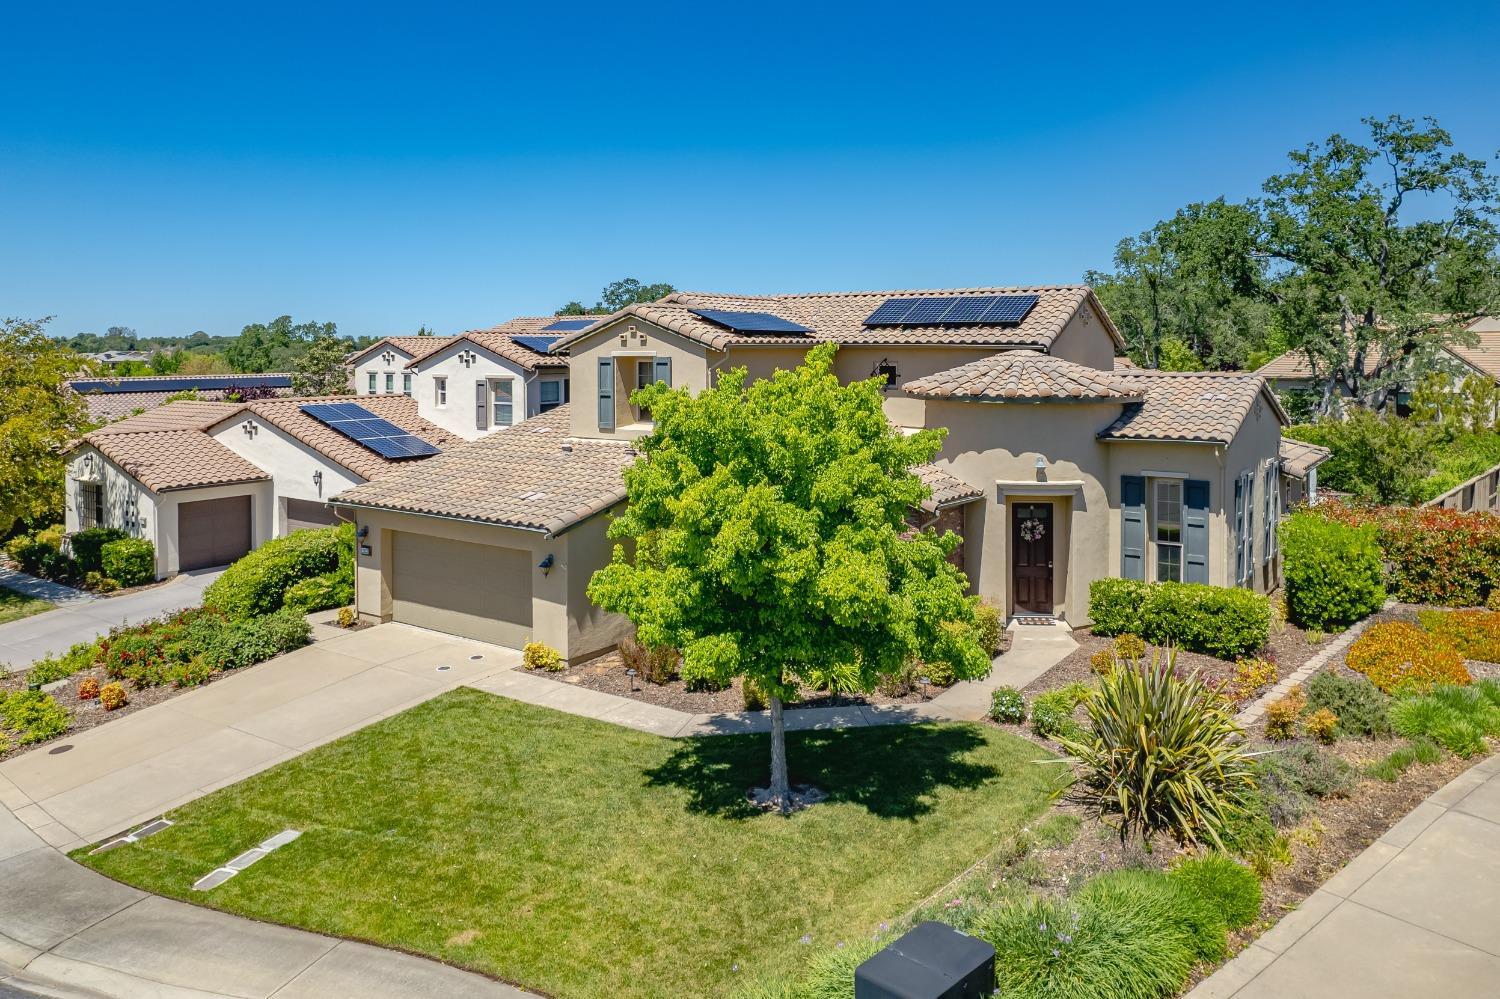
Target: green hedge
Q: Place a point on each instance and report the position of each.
(1226, 622)
(1332, 571)
(258, 583)
(332, 589)
(129, 561)
(88, 546)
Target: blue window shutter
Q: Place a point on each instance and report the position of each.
(1132, 527)
(1239, 529)
(1195, 496)
(664, 371)
(481, 407)
(606, 393)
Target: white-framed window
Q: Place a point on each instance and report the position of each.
(552, 393)
(372, 383)
(503, 401)
(1166, 528)
(390, 382)
(440, 391)
(406, 383)
(90, 505)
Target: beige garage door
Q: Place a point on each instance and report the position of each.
(477, 591)
(302, 515)
(212, 532)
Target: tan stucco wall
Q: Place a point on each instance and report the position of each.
(561, 617)
(1195, 461)
(1257, 444)
(1084, 340)
(377, 363)
(642, 340)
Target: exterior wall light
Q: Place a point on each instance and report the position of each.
(545, 564)
(1041, 468)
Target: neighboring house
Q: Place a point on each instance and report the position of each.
(1058, 469)
(110, 399)
(113, 357)
(205, 482)
(1299, 472)
(475, 382)
(1291, 372)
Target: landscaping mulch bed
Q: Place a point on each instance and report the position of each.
(1290, 647)
(1408, 613)
(606, 673)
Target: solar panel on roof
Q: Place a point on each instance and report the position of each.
(179, 383)
(571, 324)
(363, 427)
(953, 310)
(540, 344)
(750, 322)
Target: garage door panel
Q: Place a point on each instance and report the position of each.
(212, 532)
(477, 591)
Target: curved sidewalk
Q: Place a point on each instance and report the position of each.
(1416, 914)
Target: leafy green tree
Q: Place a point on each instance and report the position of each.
(1191, 285)
(616, 295)
(37, 416)
(205, 364)
(274, 346)
(1384, 252)
(320, 370)
(1378, 458)
(770, 540)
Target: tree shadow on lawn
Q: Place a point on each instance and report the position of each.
(891, 771)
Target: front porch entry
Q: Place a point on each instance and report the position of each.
(1031, 535)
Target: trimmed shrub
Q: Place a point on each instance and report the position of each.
(1222, 621)
(33, 716)
(1230, 887)
(1282, 715)
(1322, 725)
(1332, 571)
(991, 626)
(257, 584)
(1474, 633)
(87, 546)
(112, 696)
(539, 655)
(1008, 705)
(752, 696)
(130, 561)
(332, 589)
(1432, 555)
(1361, 709)
(1402, 658)
(1162, 753)
(347, 617)
(88, 688)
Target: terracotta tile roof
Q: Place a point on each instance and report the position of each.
(181, 415)
(1298, 457)
(499, 340)
(399, 409)
(840, 317)
(104, 408)
(947, 489)
(1483, 355)
(1294, 364)
(1189, 405)
(532, 476)
(1123, 363)
(415, 346)
(175, 459)
(1022, 376)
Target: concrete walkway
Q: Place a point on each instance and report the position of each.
(42, 589)
(82, 619)
(1417, 914)
(1033, 651)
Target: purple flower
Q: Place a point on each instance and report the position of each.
(807, 938)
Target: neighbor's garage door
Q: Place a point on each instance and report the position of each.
(212, 532)
(477, 591)
(302, 515)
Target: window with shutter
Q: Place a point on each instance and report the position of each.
(664, 371)
(481, 407)
(1239, 529)
(1132, 527)
(1195, 512)
(606, 394)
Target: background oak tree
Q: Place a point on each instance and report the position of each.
(36, 418)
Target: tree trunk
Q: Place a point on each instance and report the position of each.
(780, 790)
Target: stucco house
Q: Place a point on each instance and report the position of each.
(1058, 467)
(111, 399)
(205, 482)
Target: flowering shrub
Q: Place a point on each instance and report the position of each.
(1402, 658)
(112, 696)
(1433, 555)
(1008, 705)
(1474, 633)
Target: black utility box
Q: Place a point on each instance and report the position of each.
(933, 961)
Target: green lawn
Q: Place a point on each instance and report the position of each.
(14, 606)
(582, 859)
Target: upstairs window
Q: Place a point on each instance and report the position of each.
(551, 395)
(390, 382)
(504, 408)
(1167, 529)
(406, 383)
(372, 383)
(440, 391)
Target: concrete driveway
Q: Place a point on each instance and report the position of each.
(25, 641)
(108, 779)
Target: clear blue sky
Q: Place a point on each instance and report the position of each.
(389, 165)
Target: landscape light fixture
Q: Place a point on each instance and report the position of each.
(631, 674)
(925, 682)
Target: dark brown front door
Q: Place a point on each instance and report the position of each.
(1031, 543)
